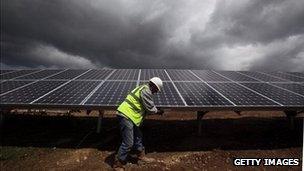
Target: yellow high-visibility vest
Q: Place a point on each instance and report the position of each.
(132, 106)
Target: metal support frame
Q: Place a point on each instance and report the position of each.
(200, 115)
(291, 114)
(99, 121)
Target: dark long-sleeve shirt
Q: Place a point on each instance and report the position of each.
(147, 101)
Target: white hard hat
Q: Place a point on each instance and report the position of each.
(158, 82)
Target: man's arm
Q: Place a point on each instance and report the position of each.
(147, 101)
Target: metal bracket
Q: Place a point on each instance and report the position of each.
(99, 121)
(200, 115)
(291, 114)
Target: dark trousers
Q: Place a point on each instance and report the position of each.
(131, 138)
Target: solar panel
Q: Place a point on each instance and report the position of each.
(286, 76)
(29, 93)
(181, 75)
(199, 94)
(242, 96)
(294, 87)
(10, 85)
(168, 96)
(95, 75)
(235, 76)
(67, 75)
(277, 94)
(16, 74)
(39, 75)
(299, 74)
(209, 76)
(125, 74)
(182, 88)
(72, 93)
(146, 74)
(111, 93)
(263, 77)
(3, 71)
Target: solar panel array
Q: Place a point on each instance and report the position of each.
(182, 88)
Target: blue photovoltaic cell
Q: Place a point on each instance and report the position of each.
(147, 74)
(72, 93)
(181, 75)
(10, 85)
(111, 93)
(209, 76)
(95, 75)
(294, 87)
(67, 75)
(235, 76)
(16, 74)
(29, 93)
(277, 94)
(263, 77)
(125, 74)
(286, 76)
(241, 96)
(39, 75)
(200, 94)
(168, 96)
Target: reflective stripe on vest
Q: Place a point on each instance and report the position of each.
(132, 106)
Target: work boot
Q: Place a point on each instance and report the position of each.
(118, 165)
(141, 155)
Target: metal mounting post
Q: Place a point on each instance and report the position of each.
(200, 115)
(99, 122)
(291, 117)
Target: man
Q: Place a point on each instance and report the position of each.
(131, 114)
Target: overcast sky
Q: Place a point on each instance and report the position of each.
(202, 34)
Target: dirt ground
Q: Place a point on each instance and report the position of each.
(43, 142)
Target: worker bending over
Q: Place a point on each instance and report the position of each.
(131, 114)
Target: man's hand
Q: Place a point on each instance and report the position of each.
(160, 111)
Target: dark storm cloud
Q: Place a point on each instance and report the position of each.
(153, 34)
